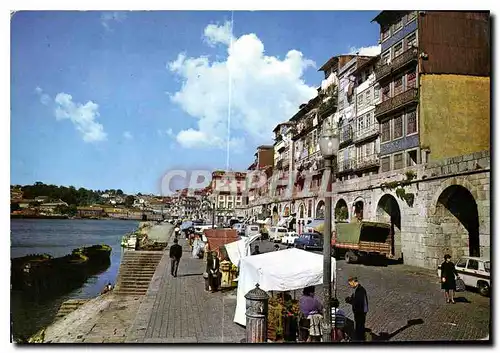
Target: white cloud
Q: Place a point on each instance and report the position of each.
(82, 116)
(108, 17)
(215, 34)
(168, 132)
(128, 135)
(44, 97)
(366, 51)
(265, 90)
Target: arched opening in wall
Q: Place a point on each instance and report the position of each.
(301, 211)
(279, 209)
(275, 216)
(341, 210)
(457, 213)
(388, 211)
(320, 210)
(358, 209)
(286, 211)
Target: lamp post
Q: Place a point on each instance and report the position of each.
(212, 202)
(329, 145)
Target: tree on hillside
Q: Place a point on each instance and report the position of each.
(129, 200)
(119, 192)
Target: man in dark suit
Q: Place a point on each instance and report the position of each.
(359, 302)
(213, 271)
(175, 257)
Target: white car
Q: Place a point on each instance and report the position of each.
(475, 272)
(276, 233)
(289, 238)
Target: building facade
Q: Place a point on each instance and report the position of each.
(414, 129)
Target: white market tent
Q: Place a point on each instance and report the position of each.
(240, 248)
(283, 270)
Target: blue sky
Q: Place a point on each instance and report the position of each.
(115, 99)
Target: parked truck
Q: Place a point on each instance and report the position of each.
(361, 239)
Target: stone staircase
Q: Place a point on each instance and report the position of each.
(69, 306)
(136, 270)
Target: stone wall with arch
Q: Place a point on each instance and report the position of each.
(422, 236)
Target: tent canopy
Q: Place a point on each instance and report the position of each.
(283, 270)
(239, 249)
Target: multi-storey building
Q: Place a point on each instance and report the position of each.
(414, 137)
(229, 190)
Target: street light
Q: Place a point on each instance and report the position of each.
(212, 202)
(329, 145)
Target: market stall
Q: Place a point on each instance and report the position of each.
(241, 248)
(281, 271)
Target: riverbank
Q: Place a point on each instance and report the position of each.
(58, 238)
(107, 318)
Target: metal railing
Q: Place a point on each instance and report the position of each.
(366, 132)
(397, 63)
(399, 101)
(369, 161)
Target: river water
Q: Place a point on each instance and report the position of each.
(58, 238)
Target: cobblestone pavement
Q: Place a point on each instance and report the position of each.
(178, 310)
(398, 293)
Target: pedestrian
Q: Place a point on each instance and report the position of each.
(256, 250)
(359, 302)
(448, 283)
(213, 265)
(311, 309)
(276, 247)
(175, 257)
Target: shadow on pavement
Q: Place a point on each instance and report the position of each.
(462, 300)
(386, 336)
(190, 274)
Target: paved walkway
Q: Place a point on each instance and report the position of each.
(178, 310)
(160, 232)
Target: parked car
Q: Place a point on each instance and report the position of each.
(289, 238)
(276, 233)
(475, 272)
(252, 229)
(309, 241)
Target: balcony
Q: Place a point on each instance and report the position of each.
(366, 133)
(346, 136)
(327, 107)
(346, 166)
(279, 164)
(397, 63)
(401, 100)
(366, 162)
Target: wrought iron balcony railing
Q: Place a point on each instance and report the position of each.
(397, 63)
(366, 133)
(346, 165)
(367, 161)
(396, 102)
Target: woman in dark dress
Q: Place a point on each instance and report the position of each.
(448, 274)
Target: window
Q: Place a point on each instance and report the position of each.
(398, 85)
(411, 122)
(462, 263)
(411, 16)
(309, 208)
(398, 25)
(411, 80)
(361, 123)
(411, 41)
(386, 92)
(376, 93)
(386, 164)
(398, 49)
(487, 266)
(360, 100)
(368, 96)
(411, 159)
(386, 57)
(398, 127)
(368, 119)
(221, 197)
(398, 161)
(385, 33)
(473, 265)
(386, 131)
(221, 204)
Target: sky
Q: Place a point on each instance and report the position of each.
(106, 100)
